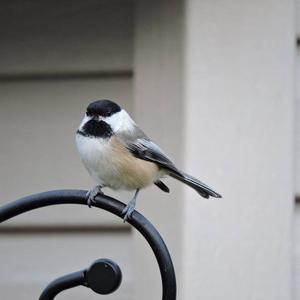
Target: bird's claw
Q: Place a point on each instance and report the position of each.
(127, 211)
(92, 194)
(90, 201)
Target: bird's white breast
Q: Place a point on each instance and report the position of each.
(96, 155)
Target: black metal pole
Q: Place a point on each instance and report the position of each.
(63, 283)
(112, 205)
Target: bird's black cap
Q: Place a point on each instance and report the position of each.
(103, 108)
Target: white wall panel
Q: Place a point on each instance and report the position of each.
(240, 135)
(296, 232)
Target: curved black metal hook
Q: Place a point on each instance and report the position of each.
(112, 205)
(104, 277)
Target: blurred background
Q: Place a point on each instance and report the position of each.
(215, 83)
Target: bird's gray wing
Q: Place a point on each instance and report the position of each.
(142, 147)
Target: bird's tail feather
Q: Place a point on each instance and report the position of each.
(201, 188)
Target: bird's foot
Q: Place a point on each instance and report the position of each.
(129, 209)
(92, 194)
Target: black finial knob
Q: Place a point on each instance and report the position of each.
(104, 276)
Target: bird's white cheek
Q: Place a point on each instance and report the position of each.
(120, 121)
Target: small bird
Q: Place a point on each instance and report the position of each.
(119, 155)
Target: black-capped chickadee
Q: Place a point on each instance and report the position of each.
(119, 155)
